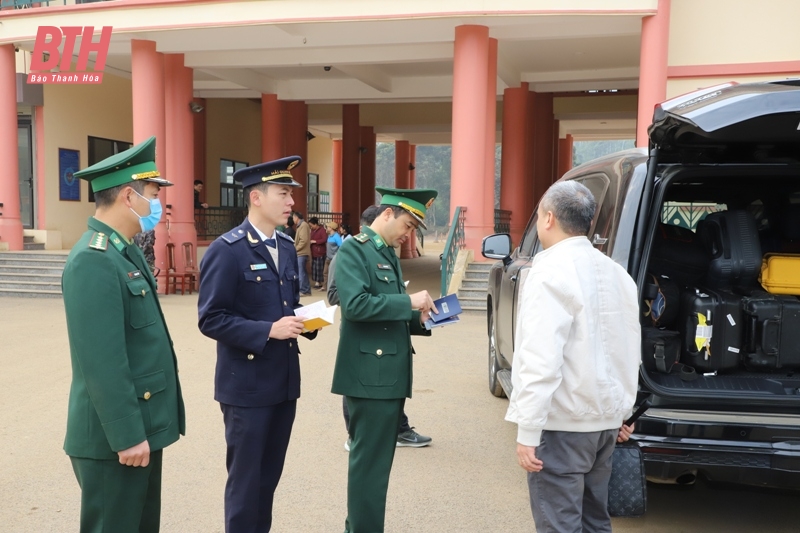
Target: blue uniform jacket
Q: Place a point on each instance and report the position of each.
(242, 293)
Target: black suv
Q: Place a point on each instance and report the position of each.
(691, 219)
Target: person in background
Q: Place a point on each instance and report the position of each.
(406, 436)
(332, 246)
(198, 188)
(577, 353)
(302, 245)
(288, 228)
(146, 241)
(345, 232)
(318, 246)
(125, 402)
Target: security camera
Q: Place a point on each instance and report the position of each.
(327, 68)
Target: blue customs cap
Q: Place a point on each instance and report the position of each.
(274, 172)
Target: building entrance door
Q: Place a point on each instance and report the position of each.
(25, 139)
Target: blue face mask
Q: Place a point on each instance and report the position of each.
(150, 221)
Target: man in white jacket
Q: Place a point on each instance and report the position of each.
(575, 370)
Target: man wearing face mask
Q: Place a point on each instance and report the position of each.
(125, 403)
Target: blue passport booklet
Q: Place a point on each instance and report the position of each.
(449, 308)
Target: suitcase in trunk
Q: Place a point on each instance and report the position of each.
(731, 238)
(773, 331)
(780, 273)
(712, 330)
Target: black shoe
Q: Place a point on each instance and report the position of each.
(305, 293)
(412, 439)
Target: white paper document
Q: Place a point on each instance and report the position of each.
(317, 315)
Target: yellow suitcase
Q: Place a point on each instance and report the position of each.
(780, 273)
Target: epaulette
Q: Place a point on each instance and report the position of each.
(281, 234)
(361, 237)
(233, 236)
(99, 241)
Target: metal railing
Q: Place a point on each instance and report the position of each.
(325, 217)
(212, 222)
(455, 242)
(502, 221)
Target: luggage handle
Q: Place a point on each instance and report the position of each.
(639, 412)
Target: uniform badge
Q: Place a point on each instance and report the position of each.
(99, 241)
(252, 239)
(429, 204)
(292, 165)
(382, 266)
(260, 266)
(135, 274)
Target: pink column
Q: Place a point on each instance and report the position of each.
(351, 174)
(336, 193)
(148, 99)
(10, 223)
(513, 166)
(180, 156)
(412, 184)
(368, 168)
(491, 138)
(468, 166)
(297, 144)
(41, 174)
(564, 155)
(652, 68)
(402, 177)
(272, 130)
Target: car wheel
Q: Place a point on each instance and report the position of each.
(494, 384)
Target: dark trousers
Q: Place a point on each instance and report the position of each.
(318, 269)
(373, 428)
(305, 286)
(570, 494)
(119, 499)
(401, 428)
(257, 438)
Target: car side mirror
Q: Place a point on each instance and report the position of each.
(497, 246)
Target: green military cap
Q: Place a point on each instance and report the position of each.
(415, 201)
(137, 163)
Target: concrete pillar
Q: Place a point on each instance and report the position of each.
(513, 169)
(149, 118)
(10, 223)
(351, 174)
(368, 168)
(542, 144)
(402, 180)
(652, 68)
(491, 138)
(412, 184)
(296, 143)
(468, 166)
(554, 159)
(180, 156)
(336, 193)
(272, 130)
(564, 155)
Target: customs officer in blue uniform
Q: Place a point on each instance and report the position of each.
(249, 290)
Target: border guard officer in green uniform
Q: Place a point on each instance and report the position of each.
(125, 403)
(374, 361)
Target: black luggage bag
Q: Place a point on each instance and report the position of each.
(731, 239)
(717, 344)
(773, 331)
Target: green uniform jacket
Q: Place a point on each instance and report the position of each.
(374, 359)
(124, 372)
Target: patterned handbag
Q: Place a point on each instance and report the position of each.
(627, 488)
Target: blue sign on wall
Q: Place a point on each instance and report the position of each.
(69, 187)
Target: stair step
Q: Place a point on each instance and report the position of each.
(33, 262)
(59, 255)
(472, 276)
(33, 246)
(30, 293)
(22, 269)
(480, 266)
(27, 239)
(472, 293)
(29, 276)
(473, 283)
(30, 285)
